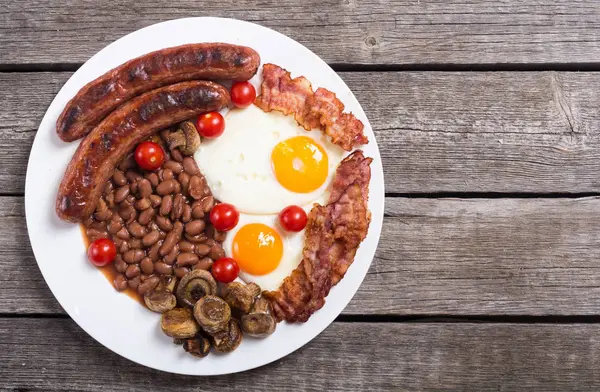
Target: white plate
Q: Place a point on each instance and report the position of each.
(114, 319)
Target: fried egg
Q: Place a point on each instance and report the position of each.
(264, 162)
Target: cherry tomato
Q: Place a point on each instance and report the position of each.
(293, 218)
(210, 125)
(242, 94)
(102, 252)
(224, 216)
(149, 155)
(225, 270)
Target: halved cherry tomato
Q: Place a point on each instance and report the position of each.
(149, 155)
(102, 252)
(210, 125)
(225, 270)
(224, 216)
(293, 218)
(242, 94)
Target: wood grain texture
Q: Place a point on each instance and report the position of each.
(435, 257)
(374, 31)
(345, 357)
(437, 131)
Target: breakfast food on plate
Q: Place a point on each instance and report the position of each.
(224, 225)
(318, 110)
(213, 61)
(118, 134)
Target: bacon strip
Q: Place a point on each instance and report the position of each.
(318, 110)
(333, 235)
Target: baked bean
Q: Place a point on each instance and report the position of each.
(216, 252)
(208, 203)
(143, 277)
(169, 244)
(164, 223)
(166, 205)
(132, 271)
(180, 272)
(166, 187)
(148, 285)
(184, 180)
(132, 176)
(172, 256)
(153, 178)
(124, 247)
(143, 204)
(190, 167)
(135, 243)
(196, 189)
(123, 234)
(151, 238)
(163, 268)
(119, 178)
(186, 246)
(220, 236)
(133, 256)
(202, 249)
(88, 221)
(128, 214)
(110, 200)
(94, 234)
(196, 239)
(186, 259)
(128, 163)
(144, 188)
(178, 226)
(147, 265)
(167, 174)
(108, 189)
(186, 215)
(205, 263)
(102, 212)
(156, 200)
(153, 251)
(122, 193)
(195, 227)
(134, 188)
(130, 198)
(120, 282)
(176, 155)
(177, 210)
(210, 242)
(114, 226)
(119, 264)
(136, 230)
(174, 166)
(134, 283)
(100, 226)
(146, 216)
(197, 212)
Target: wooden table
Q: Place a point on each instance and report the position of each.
(487, 275)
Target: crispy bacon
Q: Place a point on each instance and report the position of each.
(333, 234)
(318, 110)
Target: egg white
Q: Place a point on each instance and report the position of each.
(237, 165)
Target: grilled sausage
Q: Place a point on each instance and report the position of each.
(216, 61)
(99, 153)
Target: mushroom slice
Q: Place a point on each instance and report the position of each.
(212, 313)
(160, 301)
(259, 323)
(179, 323)
(199, 346)
(195, 285)
(186, 138)
(166, 283)
(240, 296)
(229, 340)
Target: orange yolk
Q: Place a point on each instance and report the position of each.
(257, 248)
(300, 164)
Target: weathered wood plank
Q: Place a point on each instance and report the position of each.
(373, 31)
(345, 357)
(438, 132)
(435, 256)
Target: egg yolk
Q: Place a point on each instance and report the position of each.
(257, 248)
(300, 164)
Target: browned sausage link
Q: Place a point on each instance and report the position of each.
(98, 154)
(214, 61)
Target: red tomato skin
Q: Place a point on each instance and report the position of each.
(225, 270)
(243, 94)
(224, 216)
(293, 218)
(102, 252)
(149, 155)
(210, 125)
